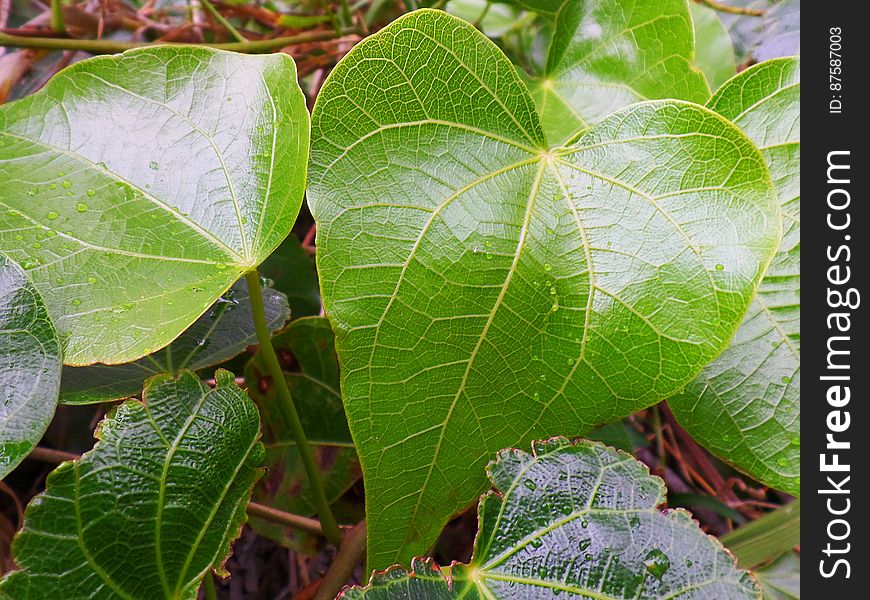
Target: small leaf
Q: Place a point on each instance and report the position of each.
(30, 364)
(139, 187)
(307, 349)
(579, 519)
(224, 331)
(486, 291)
(291, 269)
(745, 406)
(605, 55)
(781, 580)
(153, 507)
(714, 52)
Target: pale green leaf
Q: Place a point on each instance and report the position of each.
(153, 507)
(745, 406)
(714, 52)
(30, 365)
(137, 188)
(485, 291)
(579, 520)
(605, 55)
(224, 331)
(307, 351)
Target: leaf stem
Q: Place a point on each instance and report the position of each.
(224, 23)
(208, 581)
(349, 556)
(112, 46)
(57, 16)
(284, 518)
(287, 410)
(732, 10)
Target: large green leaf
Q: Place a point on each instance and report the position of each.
(30, 365)
(307, 349)
(781, 580)
(745, 406)
(580, 520)
(224, 331)
(153, 507)
(486, 291)
(137, 188)
(604, 55)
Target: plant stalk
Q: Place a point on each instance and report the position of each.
(732, 10)
(224, 23)
(57, 16)
(767, 538)
(210, 588)
(284, 518)
(288, 410)
(349, 556)
(113, 47)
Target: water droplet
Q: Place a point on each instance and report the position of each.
(154, 166)
(37, 245)
(536, 396)
(244, 220)
(543, 377)
(30, 263)
(548, 267)
(51, 216)
(488, 244)
(570, 362)
(585, 544)
(657, 563)
(50, 233)
(32, 191)
(220, 266)
(536, 542)
(76, 302)
(782, 462)
(67, 184)
(795, 441)
(530, 484)
(549, 231)
(81, 207)
(92, 279)
(689, 562)
(786, 379)
(720, 267)
(58, 280)
(584, 523)
(91, 192)
(52, 186)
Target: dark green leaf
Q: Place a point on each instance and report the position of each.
(153, 507)
(486, 291)
(224, 331)
(307, 349)
(291, 269)
(580, 520)
(30, 365)
(745, 405)
(137, 188)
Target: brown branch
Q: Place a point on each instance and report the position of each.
(732, 10)
(351, 553)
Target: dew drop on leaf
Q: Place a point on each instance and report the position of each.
(657, 563)
(720, 267)
(585, 544)
(81, 207)
(531, 485)
(51, 216)
(67, 184)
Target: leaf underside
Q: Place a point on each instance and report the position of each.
(578, 521)
(605, 55)
(30, 363)
(224, 331)
(745, 405)
(153, 507)
(486, 291)
(137, 188)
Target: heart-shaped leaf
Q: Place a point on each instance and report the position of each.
(487, 291)
(153, 507)
(224, 331)
(578, 519)
(604, 55)
(30, 365)
(745, 405)
(137, 188)
(307, 351)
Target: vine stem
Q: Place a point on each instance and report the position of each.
(349, 556)
(224, 23)
(210, 588)
(113, 47)
(287, 409)
(732, 10)
(57, 16)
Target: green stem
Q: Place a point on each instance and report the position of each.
(767, 538)
(345, 13)
(732, 10)
(113, 47)
(57, 16)
(224, 23)
(324, 4)
(210, 589)
(288, 410)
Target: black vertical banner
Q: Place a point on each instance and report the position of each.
(835, 437)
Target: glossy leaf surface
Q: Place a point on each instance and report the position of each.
(486, 291)
(307, 351)
(605, 55)
(137, 188)
(578, 520)
(745, 406)
(224, 331)
(153, 507)
(30, 365)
